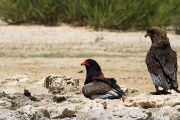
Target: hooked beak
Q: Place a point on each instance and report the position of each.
(85, 63)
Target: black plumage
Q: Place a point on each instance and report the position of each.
(161, 61)
(96, 85)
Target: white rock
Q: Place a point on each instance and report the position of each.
(168, 112)
(136, 113)
(177, 107)
(29, 112)
(15, 80)
(5, 105)
(153, 101)
(160, 117)
(8, 115)
(95, 111)
(60, 84)
(18, 78)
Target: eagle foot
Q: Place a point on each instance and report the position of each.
(176, 89)
(160, 92)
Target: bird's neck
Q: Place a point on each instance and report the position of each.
(93, 74)
(101, 76)
(157, 38)
(160, 42)
(161, 45)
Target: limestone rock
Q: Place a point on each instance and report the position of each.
(153, 101)
(29, 112)
(15, 80)
(5, 105)
(63, 112)
(168, 113)
(61, 84)
(6, 114)
(160, 117)
(94, 111)
(177, 108)
(123, 112)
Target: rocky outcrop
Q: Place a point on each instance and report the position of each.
(153, 101)
(64, 102)
(123, 112)
(167, 112)
(29, 112)
(61, 84)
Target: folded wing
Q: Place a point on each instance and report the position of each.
(162, 66)
(99, 89)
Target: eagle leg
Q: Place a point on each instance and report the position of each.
(176, 89)
(160, 92)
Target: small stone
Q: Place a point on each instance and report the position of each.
(104, 104)
(27, 93)
(46, 113)
(67, 113)
(59, 99)
(5, 105)
(32, 98)
(2, 94)
(81, 71)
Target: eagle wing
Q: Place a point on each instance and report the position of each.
(95, 88)
(162, 65)
(98, 88)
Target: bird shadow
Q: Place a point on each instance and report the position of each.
(160, 92)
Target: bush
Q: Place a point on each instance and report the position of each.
(30, 11)
(120, 14)
(110, 14)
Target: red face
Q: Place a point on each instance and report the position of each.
(85, 63)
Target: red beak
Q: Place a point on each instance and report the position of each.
(85, 63)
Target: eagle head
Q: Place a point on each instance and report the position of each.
(156, 34)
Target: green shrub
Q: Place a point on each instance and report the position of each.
(30, 11)
(110, 14)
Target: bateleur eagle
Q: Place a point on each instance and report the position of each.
(96, 86)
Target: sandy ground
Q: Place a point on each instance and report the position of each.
(40, 51)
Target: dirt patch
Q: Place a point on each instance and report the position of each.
(38, 51)
(31, 53)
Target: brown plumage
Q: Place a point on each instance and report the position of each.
(95, 88)
(96, 85)
(161, 61)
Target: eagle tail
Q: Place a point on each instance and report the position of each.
(160, 81)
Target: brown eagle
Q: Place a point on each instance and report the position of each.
(96, 85)
(161, 61)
